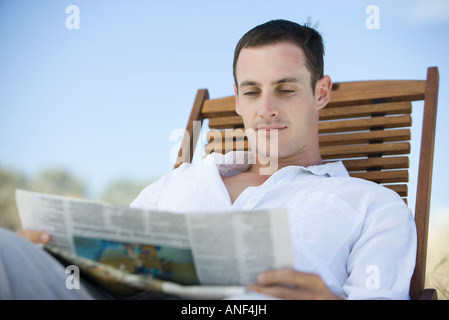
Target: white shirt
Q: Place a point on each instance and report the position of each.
(357, 235)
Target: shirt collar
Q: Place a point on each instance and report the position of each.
(235, 162)
(333, 169)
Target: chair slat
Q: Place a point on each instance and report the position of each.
(221, 107)
(343, 112)
(230, 134)
(365, 124)
(342, 152)
(226, 122)
(365, 137)
(383, 176)
(401, 189)
(365, 92)
(383, 163)
(226, 146)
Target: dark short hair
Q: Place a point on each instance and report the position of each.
(276, 31)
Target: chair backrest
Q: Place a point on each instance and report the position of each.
(366, 125)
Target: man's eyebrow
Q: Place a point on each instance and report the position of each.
(286, 80)
(248, 83)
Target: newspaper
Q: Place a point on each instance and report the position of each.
(197, 255)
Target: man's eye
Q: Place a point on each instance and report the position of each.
(286, 91)
(250, 93)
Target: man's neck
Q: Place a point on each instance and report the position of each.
(266, 166)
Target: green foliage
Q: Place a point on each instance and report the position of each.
(122, 192)
(9, 182)
(56, 181)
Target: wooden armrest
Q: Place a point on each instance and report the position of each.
(428, 294)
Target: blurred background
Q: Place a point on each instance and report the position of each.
(91, 91)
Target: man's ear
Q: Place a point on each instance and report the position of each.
(237, 105)
(323, 90)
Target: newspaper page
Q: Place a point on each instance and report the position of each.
(189, 255)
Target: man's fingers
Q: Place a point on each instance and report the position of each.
(34, 236)
(291, 284)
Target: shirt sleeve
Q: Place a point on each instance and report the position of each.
(149, 197)
(382, 261)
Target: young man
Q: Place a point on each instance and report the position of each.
(352, 238)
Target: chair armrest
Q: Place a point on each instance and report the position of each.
(428, 294)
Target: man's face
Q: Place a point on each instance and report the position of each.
(275, 99)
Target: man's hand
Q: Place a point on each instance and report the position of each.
(293, 285)
(35, 236)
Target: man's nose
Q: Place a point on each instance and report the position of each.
(268, 106)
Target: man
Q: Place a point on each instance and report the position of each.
(352, 238)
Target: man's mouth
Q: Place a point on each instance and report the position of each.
(270, 130)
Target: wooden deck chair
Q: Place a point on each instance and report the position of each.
(366, 125)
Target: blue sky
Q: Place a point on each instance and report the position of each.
(101, 101)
